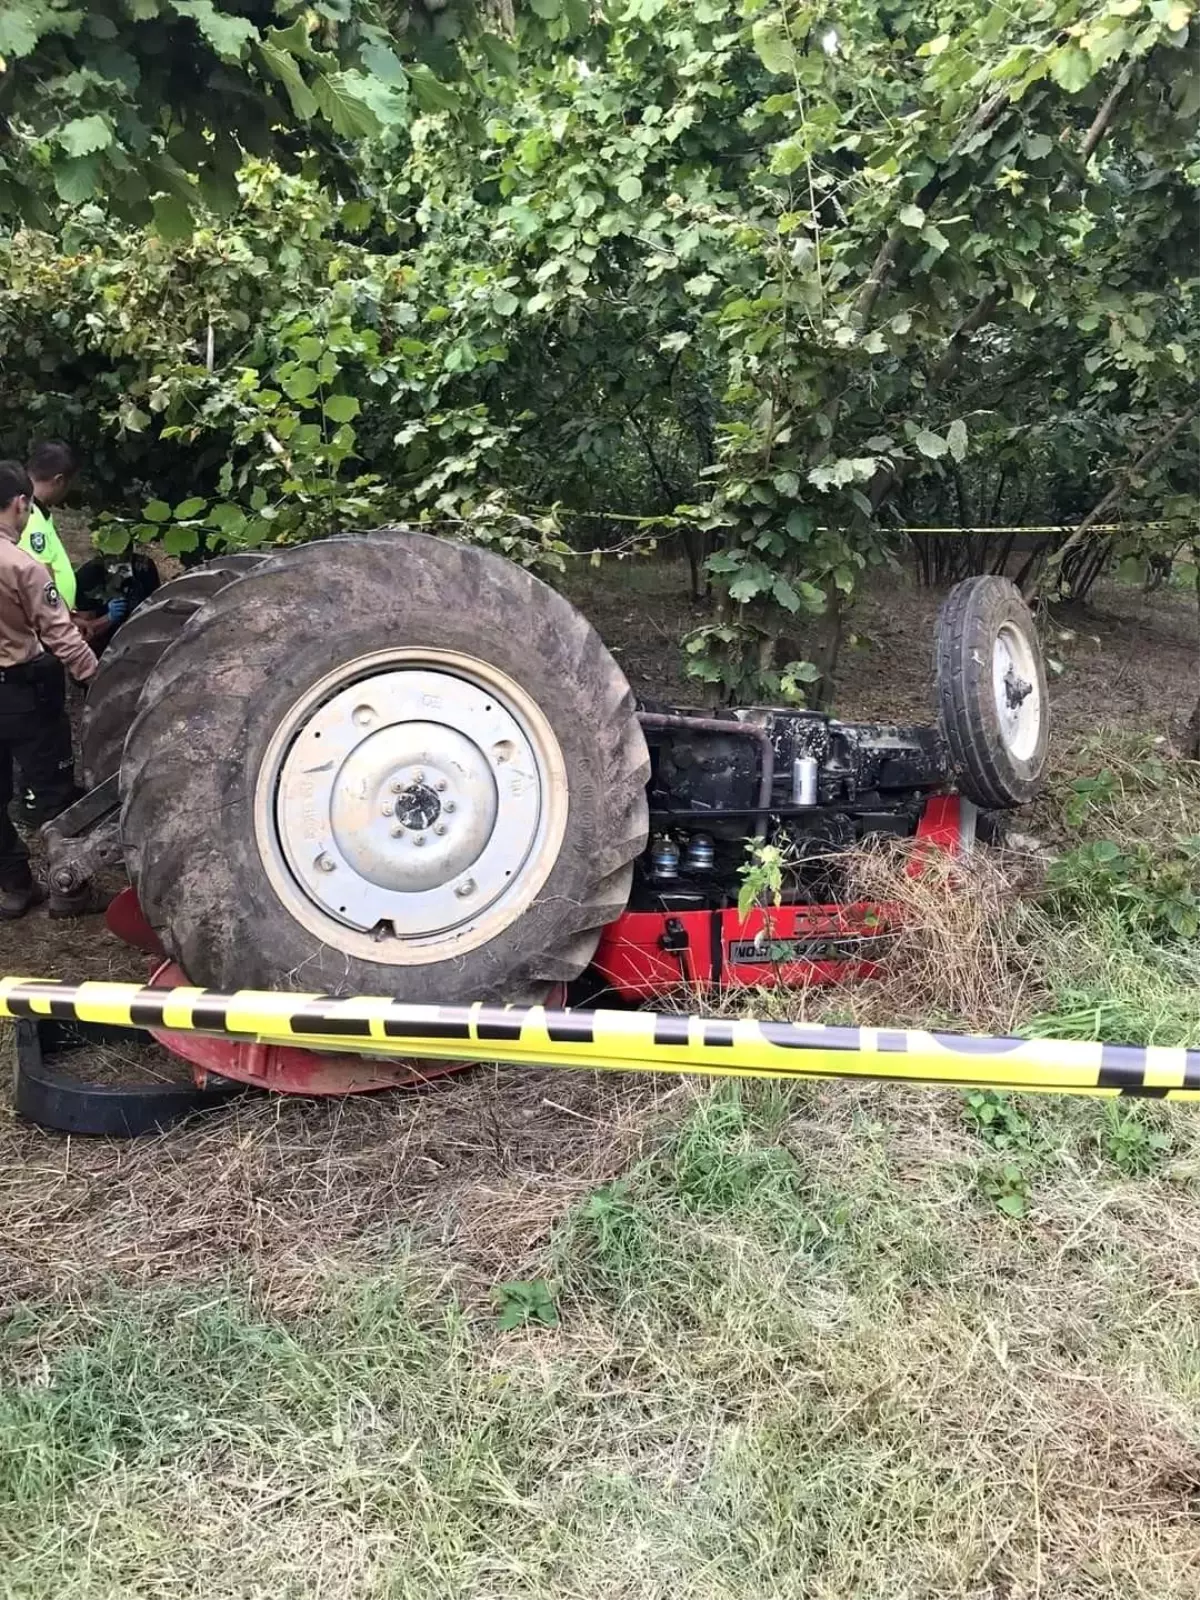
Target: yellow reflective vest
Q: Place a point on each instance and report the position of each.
(41, 539)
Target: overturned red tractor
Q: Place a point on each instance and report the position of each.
(442, 788)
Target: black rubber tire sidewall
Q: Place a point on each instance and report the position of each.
(125, 666)
(971, 618)
(193, 756)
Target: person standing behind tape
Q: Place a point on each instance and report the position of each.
(51, 468)
(37, 640)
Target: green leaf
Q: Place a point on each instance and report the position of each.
(804, 671)
(934, 237)
(505, 303)
(20, 29)
(77, 181)
(912, 216)
(382, 62)
(342, 408)
(546, 9)
(956, 438)
(1070, 68)
(774, 48)
(346, 113)
(931, 444)
(630, 187)
(308, 349)
(179, 541)
(157, 511)
(301, 383)
(748, 584)
(84, 135)
(500, 55)
(785, 595)
(189, 508)
(284, 67)
(228, 35)
(786, 157)
(1038, 145)
(356, 215)
(1013, 1205)
(1178, 15)
(294, 39)
(114, 539)
(172, 217)
(430, 93)
(226, 518)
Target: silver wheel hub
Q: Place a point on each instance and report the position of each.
(412, 806)
(1017, 696)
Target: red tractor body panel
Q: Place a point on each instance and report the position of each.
(641, 956)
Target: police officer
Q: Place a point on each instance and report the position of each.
(37, 640)
(100, 594)
(51, 469)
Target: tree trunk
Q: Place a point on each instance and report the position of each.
(829, 651)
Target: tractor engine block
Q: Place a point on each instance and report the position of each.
(802, 780)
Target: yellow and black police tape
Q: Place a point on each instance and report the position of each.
(632, 1041)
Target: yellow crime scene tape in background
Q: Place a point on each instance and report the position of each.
(632, 1041)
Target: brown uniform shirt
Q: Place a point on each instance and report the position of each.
(33, 618)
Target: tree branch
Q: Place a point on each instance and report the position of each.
(984, 311)
(887, 478)
(987, 115)
(1107, 110)
(1109, 502)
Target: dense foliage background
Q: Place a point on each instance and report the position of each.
(779, 281)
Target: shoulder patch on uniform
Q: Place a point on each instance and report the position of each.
(37, 542)
(51, 594)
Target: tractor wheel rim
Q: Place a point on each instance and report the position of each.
(1016, 692)
(411, 805)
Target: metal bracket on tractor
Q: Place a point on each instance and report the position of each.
(84, 838)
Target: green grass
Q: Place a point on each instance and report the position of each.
(774, 1343)
(800, 1352)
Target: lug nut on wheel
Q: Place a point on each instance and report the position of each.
(462, 890)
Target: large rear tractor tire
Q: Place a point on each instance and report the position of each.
(385, 765)
(992, 696)
(126, 664)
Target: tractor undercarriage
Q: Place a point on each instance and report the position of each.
(455, 798)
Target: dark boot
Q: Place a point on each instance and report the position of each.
(87, 901)
(15, 903)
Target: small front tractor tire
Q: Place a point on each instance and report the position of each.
(992, 697)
